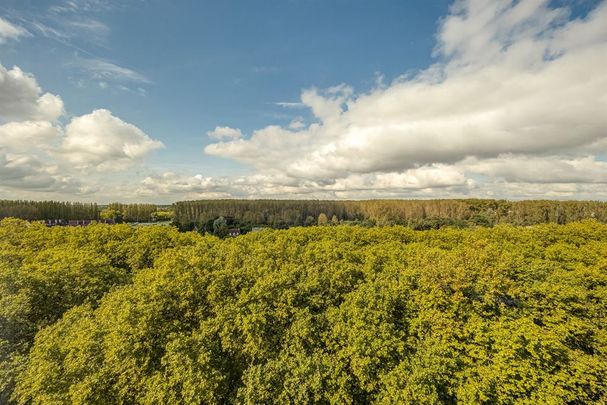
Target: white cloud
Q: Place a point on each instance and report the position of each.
(65, 28)
(171, 184)
(90, 27)
(222, 133)
(541, 169)
(297, 123)
(435, 176)
(10, 31)
(277, 186)
(514, 79)
(39, 155)
(100, 69)
(27, 135)
(25, 172)
(514, 107)
(22, 99)
(289, 104)
(105, 142)
(79, 6)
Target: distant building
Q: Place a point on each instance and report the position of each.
(55, 222)
(76, 222)
(234, 232)
(257, 229)
(79, 222)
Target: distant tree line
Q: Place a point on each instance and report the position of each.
(246, 214)
(51, 210)
(418, 214)
(41, 210)
(135, 213)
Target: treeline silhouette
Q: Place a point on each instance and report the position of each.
(246, 214)
(57, 210)
(418, 214)
(41, 210)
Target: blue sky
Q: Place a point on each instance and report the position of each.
(210, 63)
(297, 82)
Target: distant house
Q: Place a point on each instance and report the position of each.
(234, 232)
(257, 229)
(76, 222)
(55, 222)
(79, 222)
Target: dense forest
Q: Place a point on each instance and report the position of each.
(342, 314)
(418, 214)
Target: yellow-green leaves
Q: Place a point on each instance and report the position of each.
(332, 314)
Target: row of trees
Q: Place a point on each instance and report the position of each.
(136, 213)
(419, 214)
(42, 210)
(111, 314)
(247, 213)
(51, 210)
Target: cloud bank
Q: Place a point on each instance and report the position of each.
(40, 154)
(513, 107)
(518, 96)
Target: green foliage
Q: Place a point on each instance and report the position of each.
(133, 212)
(418, 214)
(44, 272)
(55, 210)
(112, 214)
(43, 210)
(334, 314)
(322, 219)
(220, 227)
(162, 215)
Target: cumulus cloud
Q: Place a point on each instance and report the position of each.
(225, 133)
(541, 169)
(22, 99)
(26, 172)
(26, 135)
(519, 88)
(39, 154)
(105, 142)
(513, 107)
(174, 184)
(280, 186)
(10, 31)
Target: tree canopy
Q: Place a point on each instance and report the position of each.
(332, 314)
